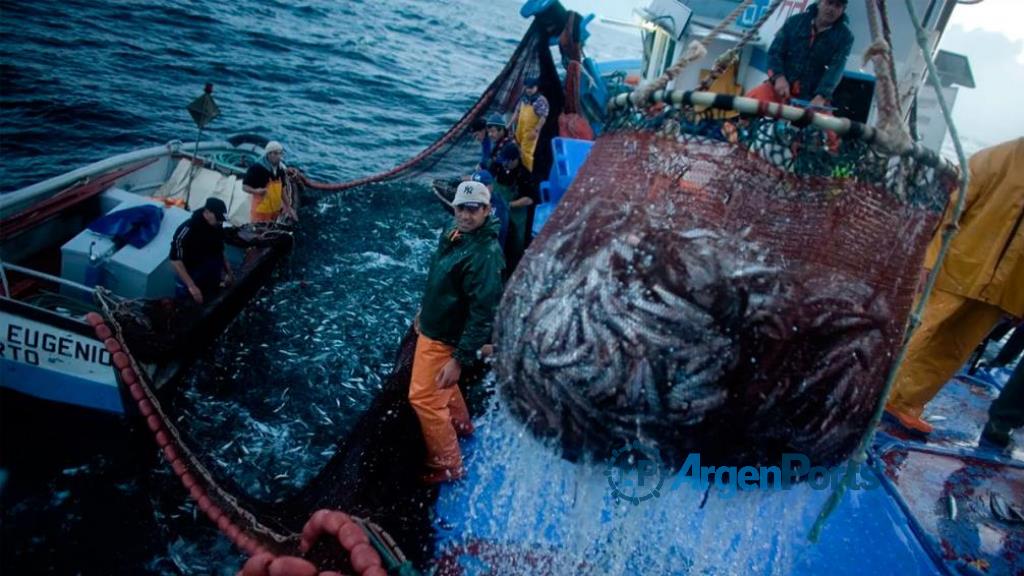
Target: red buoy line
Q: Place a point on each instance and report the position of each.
(267, 548)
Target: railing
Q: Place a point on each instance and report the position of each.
(4, 267)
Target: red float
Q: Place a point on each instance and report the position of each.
(171, 454)
(120, 359)
(179, 467)
(292, 566)
(258, 565)
(128, 376)
(364, 557)
(112, 345)
(137, 392)
(350, 535)
(163, 439)
(333, 521)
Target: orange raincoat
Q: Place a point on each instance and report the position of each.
(981, 279)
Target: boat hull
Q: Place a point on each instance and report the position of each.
(55, 358)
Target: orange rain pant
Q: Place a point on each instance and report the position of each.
(952, 327)
(439, 409)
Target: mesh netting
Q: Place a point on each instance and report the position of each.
(735, 288)
(373, 472)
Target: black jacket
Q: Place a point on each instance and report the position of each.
(815, 67)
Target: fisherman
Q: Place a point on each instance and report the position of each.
(497, 132)
(197, 254)
(515, 185)
(498, 205)
(808, 55)
(479, 130)
(454, 323)
(981, 280)
(529, 118)
(1006, 412)
(268, 184)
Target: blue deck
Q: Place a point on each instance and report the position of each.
(524, 510)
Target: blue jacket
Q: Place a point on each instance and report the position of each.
(815, 68)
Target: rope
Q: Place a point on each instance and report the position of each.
(883, 10)
(695, 51)
(726, 59)
(890, 121)
(364, 547)
(453, 132)
(915, 318)
(179, 456)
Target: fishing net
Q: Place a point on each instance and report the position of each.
(373, 472)
(734, 286)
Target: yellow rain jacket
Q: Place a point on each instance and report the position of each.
(985, 260)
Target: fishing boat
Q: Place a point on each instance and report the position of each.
(56, 268)
(538, 497)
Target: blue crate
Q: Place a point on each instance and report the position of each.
(569, 155)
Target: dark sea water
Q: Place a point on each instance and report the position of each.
(350, 88)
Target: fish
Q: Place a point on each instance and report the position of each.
(1002, 510)
(951, 506)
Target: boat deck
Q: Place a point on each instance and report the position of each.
(941, 505)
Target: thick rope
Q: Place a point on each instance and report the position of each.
(725, 60)
(695, 51)
(453, 132)
(890, 122)
(883, 11)
(915, 318)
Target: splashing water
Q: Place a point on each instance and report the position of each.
(525, 510)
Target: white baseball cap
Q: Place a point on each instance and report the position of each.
(273, 146)
(471, 193)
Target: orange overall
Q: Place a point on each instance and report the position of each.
(981, 279)
(440, 410)
(266, 208)
(526, 135)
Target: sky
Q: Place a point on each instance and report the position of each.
(990, 34)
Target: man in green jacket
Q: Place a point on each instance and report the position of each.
(454, 323)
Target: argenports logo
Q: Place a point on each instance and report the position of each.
(635, 473)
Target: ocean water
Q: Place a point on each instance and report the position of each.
(350, 88)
